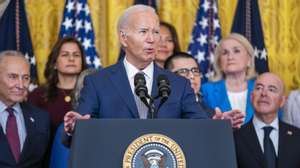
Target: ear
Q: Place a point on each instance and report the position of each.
(283, 100)
(123, 38)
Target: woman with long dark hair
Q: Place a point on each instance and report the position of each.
(64, 64)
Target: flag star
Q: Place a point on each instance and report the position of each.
(87, 26)
(78, 24)
(202, 39)
(214, 41)
(216, 23)
(27, 56)
(86, 43)
(209, 74)
(86, 9)
(70, 6)
(32, 61)
(263, 54)
(203, 22)
(215, 8)
(67, 23)
(192, 39)
(200, 56)
(88, 60)
(97, 62)
(78, 7)
(205, 5)
(256, 52)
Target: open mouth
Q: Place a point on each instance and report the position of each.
(263, 102)
(149, 50)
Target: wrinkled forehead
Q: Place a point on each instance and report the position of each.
(184, 63)
(143, 18)
(231, 42)
(15, 64)
(269, 79)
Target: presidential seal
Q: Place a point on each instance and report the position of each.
(154, 151)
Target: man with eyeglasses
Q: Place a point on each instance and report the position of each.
(185, 65)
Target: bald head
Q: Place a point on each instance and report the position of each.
(271, 77)
(268, 96)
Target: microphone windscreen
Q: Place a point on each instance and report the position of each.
(139, 79)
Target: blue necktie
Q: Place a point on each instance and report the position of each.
(269, 150)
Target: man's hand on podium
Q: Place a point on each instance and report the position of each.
(70, 119)
(236, 117)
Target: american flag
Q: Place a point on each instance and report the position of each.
(247, 22)
(77, 22)
(14, 33)
(205, 36)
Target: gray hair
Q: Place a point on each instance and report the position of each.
(12, 53)
(79, 85)
(250, 72)
(124, 18)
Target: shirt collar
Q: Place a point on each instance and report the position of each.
(131, 70)
(258, 124)
(16, 107)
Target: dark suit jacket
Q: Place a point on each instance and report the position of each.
(250, 155)
(107, 94)
(37, 125)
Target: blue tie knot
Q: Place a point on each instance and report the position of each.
(267, 130)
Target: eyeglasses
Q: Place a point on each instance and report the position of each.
(186, 72)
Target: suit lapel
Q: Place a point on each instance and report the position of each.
(251, 139)
(120, 81)
(283, 143)
(30, 133)
(154, 91)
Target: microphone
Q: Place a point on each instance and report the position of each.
(164, 88)
(140, 87)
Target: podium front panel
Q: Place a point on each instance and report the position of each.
(102, 142)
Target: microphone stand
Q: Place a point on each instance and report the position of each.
(151, 108)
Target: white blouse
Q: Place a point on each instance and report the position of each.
(238, 100)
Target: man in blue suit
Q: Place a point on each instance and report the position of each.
(110, 92)
(24, 129)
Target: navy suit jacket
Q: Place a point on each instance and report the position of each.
(249, 153)
(37, 125)
(107, 94)
(215, 95)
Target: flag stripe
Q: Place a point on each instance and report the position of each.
(205, 36)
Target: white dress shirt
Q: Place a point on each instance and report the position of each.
(19, 118)
(131, 70)
(274, 135)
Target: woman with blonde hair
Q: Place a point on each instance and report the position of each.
(233, 81)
